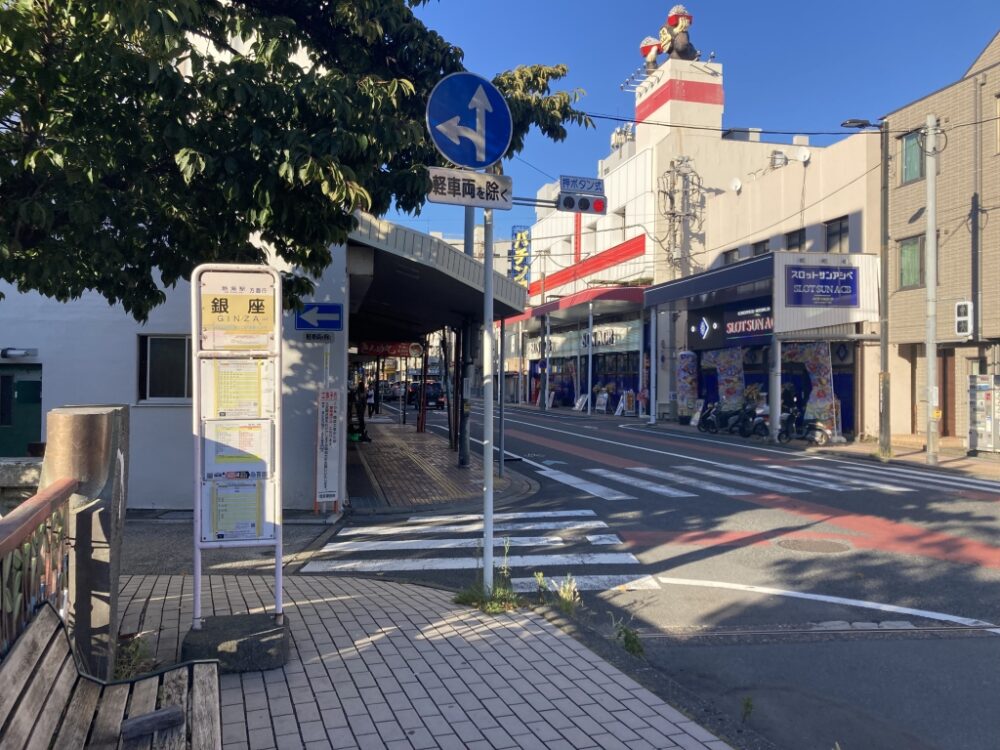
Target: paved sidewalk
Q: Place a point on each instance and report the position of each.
(405, 470)
(376, 664)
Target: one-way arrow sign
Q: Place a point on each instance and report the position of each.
(320, 316)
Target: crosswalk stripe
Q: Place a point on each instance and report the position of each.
(812, 484)
(643, 484)
(472, 528)
(591, 488)
(379, 545)
(925, 478)
(868, 483)
(468, 563)
(590, 583)
(754, 482)
(690, 481)
(524, 515)
(604, 539)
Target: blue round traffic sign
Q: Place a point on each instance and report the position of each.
(469, 120)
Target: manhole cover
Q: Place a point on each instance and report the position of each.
(818, 546)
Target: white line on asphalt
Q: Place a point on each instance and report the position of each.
(689, 481)
(938, 475)
(579, 483)
(877, 472)
(923, 477)
(376, 545)
(465, 517)
(468, 563)
(754, 482)
(604, 539)
(590, 583)
(471, 528)
(643, 484)
(926, 614)
(780, 475)
(809, 474)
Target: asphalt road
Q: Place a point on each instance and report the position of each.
(874, 628)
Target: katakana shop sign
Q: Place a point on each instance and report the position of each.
(816, 286)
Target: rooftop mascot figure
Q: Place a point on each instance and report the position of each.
(674, 40)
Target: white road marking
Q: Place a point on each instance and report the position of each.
(378, 545)
(522, 516)
(926, 614)
(759, 484)
(590, 583)
(471, 528)
(812, 484)
(468, 563)
(808, 475)
(690, 481)
(604, 539)
(923, 478)
(643, 484)
(579, 483)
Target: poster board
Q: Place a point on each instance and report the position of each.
(327, 417)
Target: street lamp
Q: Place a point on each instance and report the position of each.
(884, 425)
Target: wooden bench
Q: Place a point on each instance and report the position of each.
(46, 702)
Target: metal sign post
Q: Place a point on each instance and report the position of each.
(475, 142)
(236, 414)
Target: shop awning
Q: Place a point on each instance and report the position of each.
(743, 280)
(574, 308)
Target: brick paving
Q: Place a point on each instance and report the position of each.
(411, 469)
(377, 664)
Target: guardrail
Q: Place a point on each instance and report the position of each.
(34, 558)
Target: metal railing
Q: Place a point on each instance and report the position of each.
(34, 559)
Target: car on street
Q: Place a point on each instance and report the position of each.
(434, 395)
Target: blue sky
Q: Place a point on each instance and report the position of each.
(802, 66)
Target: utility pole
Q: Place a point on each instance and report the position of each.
(930, 279)
(885, 411)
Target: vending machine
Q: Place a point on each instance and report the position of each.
(984, 413)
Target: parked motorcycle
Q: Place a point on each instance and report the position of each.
(810, 430)
(744, 421)
(707, 421)
(760, 425)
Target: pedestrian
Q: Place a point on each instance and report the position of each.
(359, 409)
(370, 400)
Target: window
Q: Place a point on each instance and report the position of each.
(795, 242)
(164, 367)
(761, 248)
(731, 256)
(913, 157)
(837, 236)
(911, 262)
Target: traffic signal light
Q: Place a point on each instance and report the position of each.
(582, 203)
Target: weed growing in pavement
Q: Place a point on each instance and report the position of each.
(567, 596)
(133, 657)
(541, 586)
(501, 599)
(628, 637)
(747, 709)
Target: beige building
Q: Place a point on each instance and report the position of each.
(968, 197)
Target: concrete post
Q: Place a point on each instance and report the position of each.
(91, 445)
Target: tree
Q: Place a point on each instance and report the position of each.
(140, 138)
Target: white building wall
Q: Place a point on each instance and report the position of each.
(89, 352)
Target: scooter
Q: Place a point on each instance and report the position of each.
(759, 426)
(743, 422)
(810, 430)
(707, 421)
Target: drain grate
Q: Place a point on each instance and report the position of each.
(818, 546)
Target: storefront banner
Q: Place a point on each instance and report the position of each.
(612, 337)
(390, 349)
(745, 323)
(749, 322)
(809, 286)
(732, 384)
(687, 381)
(815, 356)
